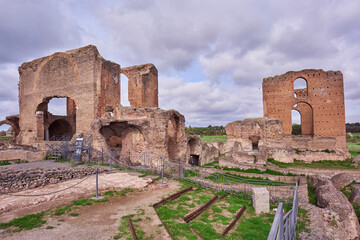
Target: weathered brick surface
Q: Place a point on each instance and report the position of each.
(321, 105)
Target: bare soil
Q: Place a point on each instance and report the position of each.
(98, 221)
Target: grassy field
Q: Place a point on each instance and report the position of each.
(5, 138)
(319, 164)
(222, 138)
(354, 148)
(214, 220)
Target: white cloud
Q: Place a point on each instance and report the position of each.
(236, 43)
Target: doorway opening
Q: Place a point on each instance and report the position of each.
(56, 119)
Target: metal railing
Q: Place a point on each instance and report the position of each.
(157, 164)
(60, 138)
(284, 227)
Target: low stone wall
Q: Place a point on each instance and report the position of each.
(319, 156)
(15, 180)
(19, 154)
(287, 179)
(328, 173)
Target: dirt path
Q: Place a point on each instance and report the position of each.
(101, 220)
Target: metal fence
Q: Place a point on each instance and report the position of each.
(209, 178)
(284, 227)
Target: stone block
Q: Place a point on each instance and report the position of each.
(261, 200)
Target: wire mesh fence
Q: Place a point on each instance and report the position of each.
(157, 164)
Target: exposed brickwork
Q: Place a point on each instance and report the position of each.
(143, 85)
(321, 105)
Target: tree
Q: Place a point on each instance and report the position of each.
(296, 129)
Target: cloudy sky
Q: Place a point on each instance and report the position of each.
(211, 55)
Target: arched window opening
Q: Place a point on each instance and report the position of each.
(57, 106)
(124, 91)
(6, 132)
(296, 122)
(300, 88)
(56, 118)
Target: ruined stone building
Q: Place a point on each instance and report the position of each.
(91, 86)
(321, 107)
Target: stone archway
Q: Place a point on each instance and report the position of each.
(63, 127)
(60, 130)
(307, 117)
(123, 138)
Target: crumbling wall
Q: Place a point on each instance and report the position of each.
(145, 129)
(13, 121)
(143, 85)
(80, 74)
(321, 104)
(200, 153)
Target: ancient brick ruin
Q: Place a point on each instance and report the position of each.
(321, 103)
(91, 86)
(321, 106)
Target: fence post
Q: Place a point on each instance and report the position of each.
(162, 171)
(97, 186)
(89, 154)
(97, 183)
(110, 165)
(102, 156)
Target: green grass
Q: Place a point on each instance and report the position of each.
(311, 194)
(257, 171)
(27, 222)
(233, 179)
(3, 163)
(318, 164)
(124, 231)
(347, 191)
(221, 138)
(213, 220)
(354, 148)
(303, 222)
(74, 214)
(211, 164)
(5, 138)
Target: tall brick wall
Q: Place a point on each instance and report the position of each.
(324, 100)
(81, 75)
(321, 104)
